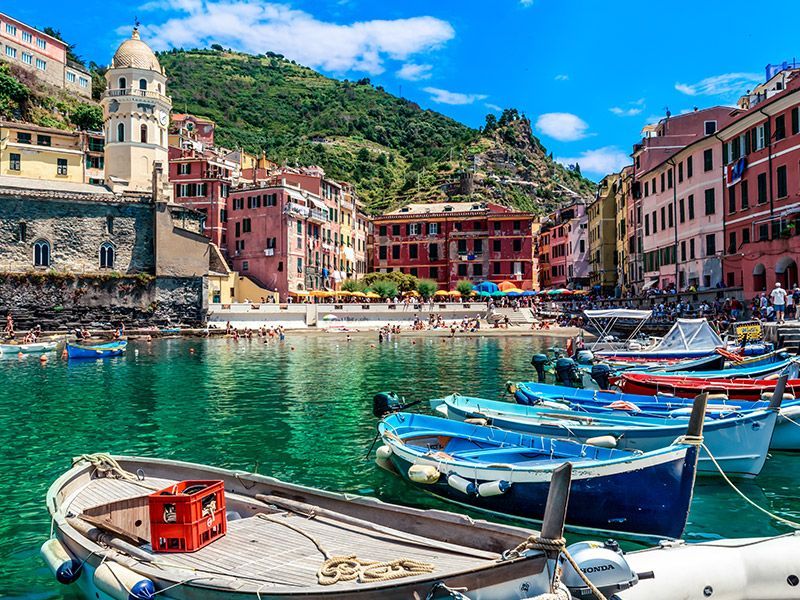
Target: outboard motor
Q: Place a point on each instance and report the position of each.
(384, 403)
(539, 361)
(604, 565)
(567, 372)
(601, 374)
(584, 357)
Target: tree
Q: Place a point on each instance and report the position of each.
(491, 123)
(88, 117)
(351, 285)
(13, 93)
(403, 281)
(98, 73)
(217, 47)
(385, 288)
(465, 287)
(427, 287)
(363, 155)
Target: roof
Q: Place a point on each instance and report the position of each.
(63, 190)
(136, 54)
(39, 32)
(445, 208)
(39, 128)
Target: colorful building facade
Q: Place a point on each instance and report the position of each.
(602, 212)
(448, 242)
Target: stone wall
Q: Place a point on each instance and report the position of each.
(75, 231)
(61, 301)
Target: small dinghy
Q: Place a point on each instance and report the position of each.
(135, 529)
(504, 472)
(687, 387)
(104, 350)
(738, 441)
(32, 348)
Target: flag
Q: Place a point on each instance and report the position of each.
(734, 172)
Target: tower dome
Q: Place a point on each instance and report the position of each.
(136, 54)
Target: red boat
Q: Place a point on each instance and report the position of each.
(689, 387)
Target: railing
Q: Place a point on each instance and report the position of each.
(136, 92)
(319, 215)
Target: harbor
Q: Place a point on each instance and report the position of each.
(257, 407)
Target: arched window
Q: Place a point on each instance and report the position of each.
(121, 132)
(143, 84)
(158, 87)
(41, 253)
(123, 83)
(106, 255)
(143, 131)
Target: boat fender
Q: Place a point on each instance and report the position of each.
(426, 474)
(462, 485)
(493, 488)
(767, 396)
(384, 452)
(722, 397)
(553, 405)
(477, 421)
(232, 515)
(120, 582)
(603, 441)
(793, 412)
(64, 567)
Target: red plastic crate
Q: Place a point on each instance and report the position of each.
(185, 522)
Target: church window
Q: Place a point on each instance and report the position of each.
(121, 132)
(106, 256)
(41, 253)
(143, 130)
(143, 84)
(123, 83)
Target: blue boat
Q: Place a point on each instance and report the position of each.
(507, 473)
(104, 350)
(786, 436)
(738, 441)
(757, 371)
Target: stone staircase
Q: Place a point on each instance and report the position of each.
(523, 316)
(788, 336)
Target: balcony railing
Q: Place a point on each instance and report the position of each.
(137, 93)
(318, 215)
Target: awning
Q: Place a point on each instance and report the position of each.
(649, 284)
(618, 313)
(317, 203)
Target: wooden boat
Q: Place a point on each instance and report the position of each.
(738, 442)
(786, 436)
(504, 472)
(31, 348)
(686, 387)
(278, 538)
(104, 350)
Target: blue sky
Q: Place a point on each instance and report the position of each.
(589, 74)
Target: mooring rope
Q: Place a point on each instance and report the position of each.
(108, 466)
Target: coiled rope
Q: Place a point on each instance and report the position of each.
(349, 568)
(558, 545)
(107, 466)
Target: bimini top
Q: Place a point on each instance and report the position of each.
(690, 334)
(618, 313)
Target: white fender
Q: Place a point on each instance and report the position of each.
(493, 488)
(61, 564)
(477, 421)
(462, 485)
(382, 458)
(121, 583)
(603, 441)
(787, 397)
(793, 412)
(426, 474)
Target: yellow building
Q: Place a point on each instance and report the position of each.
(603, 233)
(623, 198)
(41, 153)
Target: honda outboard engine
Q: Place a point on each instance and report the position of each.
(602, 564)
(539, 361)
(384, 403)
(567, 372)
(601, 374)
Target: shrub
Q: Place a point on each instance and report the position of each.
(427, 287)
(465, 287)
(351, 285)
(385, 288)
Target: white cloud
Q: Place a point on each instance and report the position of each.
(720, 85)
(564, 127)
(415, 72)
(625, 112)
(446, 97)
(493, 107)
(561, 77)
(526, 2)
(259, 26)
(602, 161)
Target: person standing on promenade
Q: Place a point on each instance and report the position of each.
(9, 331)
(778, 297)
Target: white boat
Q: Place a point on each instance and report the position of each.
(32, 348)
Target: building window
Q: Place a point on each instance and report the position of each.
(690, 202)
(711, 244)
(143, 133)
(41, 43)
(477, 246)
(71, 77)
(710, 201)
(121, 132)
(83, 82)
(246, 225)
(413, 251)
(680, 172)
(11, 52)
(22, 231)
(746, 235)
(780, 127)
(710, 127)
(689, 166)
(109, 224)
(122, 83)
(395, 252)
(395, 229)
(382, 252)
(497, 245)
(669, 179)
(732, 199)
(517, 245)
(61, 169)
(41, 253)
(731, 242)
(184, 168)
(783, 189)
(762, 188)
(11, 29)
(462, 270)
(477, 270)
(106, 255)
(143, 84)
(299, 265)
(795, 121)
(681, 210)
(41, 65)
(708, 160)
(14, 162)
(763, 232)
(433, 273)
(413, 229)
(745, 195)
(683, 250)
(433, 251)
(27, 37)
(27, 58)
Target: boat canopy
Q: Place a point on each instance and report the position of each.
(690, 334)
(618, 313)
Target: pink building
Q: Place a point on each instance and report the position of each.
(569, 247)
(678, 201)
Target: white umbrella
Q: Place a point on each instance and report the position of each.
(330, 318)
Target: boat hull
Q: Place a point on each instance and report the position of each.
(689, 387)
(96, 351)
(34, 348)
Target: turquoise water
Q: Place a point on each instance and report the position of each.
(298, 410)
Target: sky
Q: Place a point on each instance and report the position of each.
(589, 74)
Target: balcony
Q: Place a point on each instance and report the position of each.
(136, 92)
(320, 216)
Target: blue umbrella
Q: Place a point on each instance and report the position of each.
(486, 286)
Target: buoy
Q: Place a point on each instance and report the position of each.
(120, 582)
(64, 567)
(720, 396)
(191, 350)
(493, 488)
(462, 485)
(477, 421)
(43, 358)
(603, 441)
(20, 355)
(553, 405)
(767, 396)
(427, 474)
